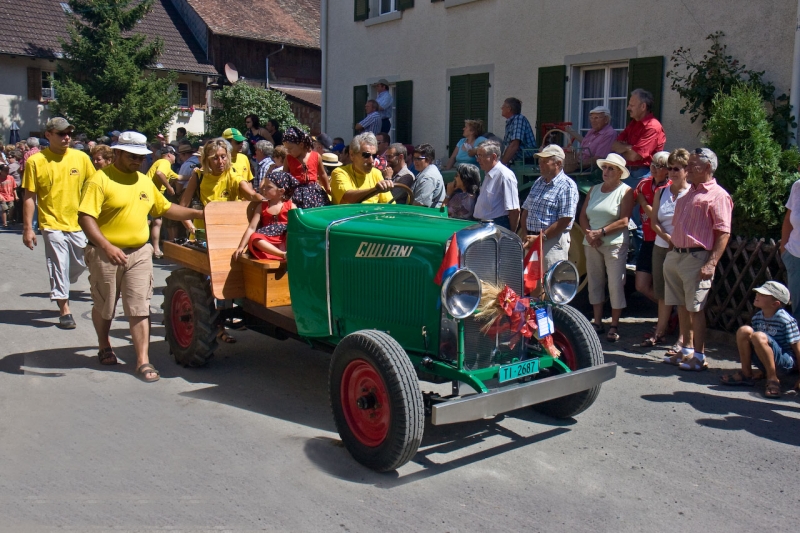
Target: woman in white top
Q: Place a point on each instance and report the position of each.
(604, 220)
(661, 222)
(790, 247)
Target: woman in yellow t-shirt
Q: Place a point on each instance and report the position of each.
(218, 181)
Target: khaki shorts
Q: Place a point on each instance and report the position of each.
(133, 281)
(682, 284)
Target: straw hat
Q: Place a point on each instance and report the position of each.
(330, 160)
(617, 161)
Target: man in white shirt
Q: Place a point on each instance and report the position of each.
(498, 201)
(385, 104)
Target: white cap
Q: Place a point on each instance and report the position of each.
(132, 142)
(776, 290)
(551, 150)
(601, 109)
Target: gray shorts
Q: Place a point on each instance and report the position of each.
(64, 253)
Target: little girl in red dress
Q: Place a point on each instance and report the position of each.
(265, 237)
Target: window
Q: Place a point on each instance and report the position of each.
(387, 6)
(604, 85)
(48, 91)
(183, 90)
(469, 99)
(378, 11)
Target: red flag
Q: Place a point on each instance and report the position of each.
(449, 263)
(534, 261)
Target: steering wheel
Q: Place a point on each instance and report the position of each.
(408, 190)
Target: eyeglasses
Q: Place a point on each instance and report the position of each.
(609, 168)
(367, 155)
(656, 165)
(419, 159)
(62, 133)
(675, 169)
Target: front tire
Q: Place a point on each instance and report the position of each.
(376, 401)
(580, 348)
(190, 317)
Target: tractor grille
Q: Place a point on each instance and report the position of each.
(497, 259)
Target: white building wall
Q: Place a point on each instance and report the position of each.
(517, 37)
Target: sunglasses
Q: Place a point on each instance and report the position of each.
(656, 165)
(367, 155)
(419, 159)
(62, 133)
(675, 169)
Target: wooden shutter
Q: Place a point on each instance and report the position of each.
(404, 4)
(198, 96)
(648, 73)
(459, 99)
(360, 96)
(550, 98)
(34, 83)
(403, 111)
(478, 107)
(361, 10)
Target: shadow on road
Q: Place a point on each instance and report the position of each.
(760, 418)
(28, 317)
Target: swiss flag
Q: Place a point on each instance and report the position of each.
(449, 263)
(534, 270)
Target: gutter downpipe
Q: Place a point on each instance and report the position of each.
(266, 59)
(323, 41)
(794, 93)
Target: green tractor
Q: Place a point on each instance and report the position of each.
(359, 283)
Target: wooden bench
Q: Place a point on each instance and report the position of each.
(266, 283)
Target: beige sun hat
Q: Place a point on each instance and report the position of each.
(617, 161)
(551, 150)
(330, 160)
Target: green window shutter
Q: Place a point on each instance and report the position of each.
(360, 96)
(459, 99)
(478, 108)
(404, 4)
(361, 10)
(550, 98)
(648, 73)
(403, 100)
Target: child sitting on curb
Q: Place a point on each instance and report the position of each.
(775, 338)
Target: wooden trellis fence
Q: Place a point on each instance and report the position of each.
(744, 266)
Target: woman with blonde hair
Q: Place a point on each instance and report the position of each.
(604, 220)
(466, 149)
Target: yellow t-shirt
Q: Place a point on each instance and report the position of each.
(120, 202)
(241, 163)
(345, 179)
(165, 168)
(57, 181)
(222, 188)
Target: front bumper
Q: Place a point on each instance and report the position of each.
(478, 406)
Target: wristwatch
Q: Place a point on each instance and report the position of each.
(544, 236)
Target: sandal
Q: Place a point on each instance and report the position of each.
(737, 379)
(653, 340)
(107, 356)
(694, 365)
(145, 369)
(773, 389)
(223, 336)
(612, 335)
(598, 328)
(675, 359)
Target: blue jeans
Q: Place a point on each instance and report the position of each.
(784, 362)
(637, 174)
(503, 221)
(792, 265)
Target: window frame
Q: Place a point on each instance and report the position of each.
(50, 77)
(180, 92)
(582, 69)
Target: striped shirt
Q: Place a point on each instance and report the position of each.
(781, 326)
(372, 123)
(548, 202)
(706, 208)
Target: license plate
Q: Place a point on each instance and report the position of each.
(518, 370)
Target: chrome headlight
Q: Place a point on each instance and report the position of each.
(561, 282)
(461, 293)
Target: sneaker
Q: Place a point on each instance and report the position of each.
(66, 322)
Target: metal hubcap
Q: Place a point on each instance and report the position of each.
(567, 353)
(182, 316)
(365, 403)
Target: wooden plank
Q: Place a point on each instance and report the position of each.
(282, 317)
(226, 222)
(186, 257)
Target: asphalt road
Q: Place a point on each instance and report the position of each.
(248, 443)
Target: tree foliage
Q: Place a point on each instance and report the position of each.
(699, 82)
(752, 165)
(242, 99)
(102, 84)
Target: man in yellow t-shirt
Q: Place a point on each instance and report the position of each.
(161, 173)
(113, 212)
(360, 182)
(239, 162)
(53, 178)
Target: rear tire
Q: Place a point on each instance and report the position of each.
(580, 348)
(190, 317)
(376, 401)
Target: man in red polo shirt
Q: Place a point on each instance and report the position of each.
(637, 143)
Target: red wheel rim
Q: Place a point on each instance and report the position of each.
(182, 318)
(365, 403)
(565, 347)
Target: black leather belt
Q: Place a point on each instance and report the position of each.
(534, 232)
(689, 250)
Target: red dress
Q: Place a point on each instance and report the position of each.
(309, 193)
(272, 229)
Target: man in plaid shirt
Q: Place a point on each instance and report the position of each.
(263, 157)
(550, 208)
(519, 135)
(372, 122)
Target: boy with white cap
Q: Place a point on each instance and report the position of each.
(113, 212)
(774, 337)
